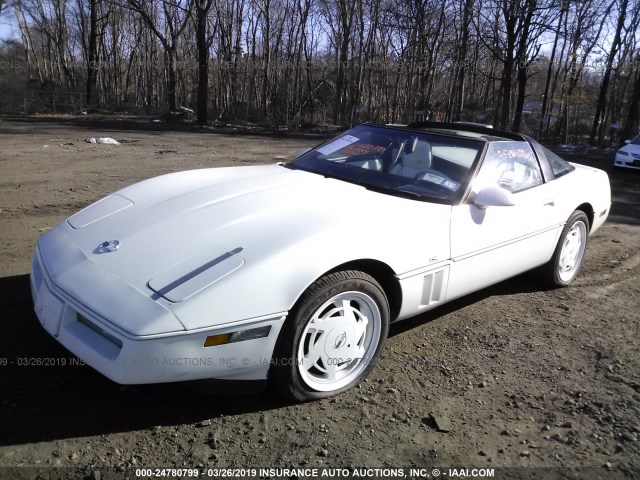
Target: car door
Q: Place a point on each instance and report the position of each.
(492, 243)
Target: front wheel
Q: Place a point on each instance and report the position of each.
(569, 253)
(332, 338)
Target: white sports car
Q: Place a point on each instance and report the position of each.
(629, 155)
(290, 274)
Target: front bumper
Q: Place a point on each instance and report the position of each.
(129, 359)
(627, 161)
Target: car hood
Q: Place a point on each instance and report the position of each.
(156, 224)
(172, 236)
(630, 148)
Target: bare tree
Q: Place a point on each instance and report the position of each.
(632, 122)
(230, 16)
(583, 28)
(340, 16)
(534, 23)
(510, 31)
(597, 130)
(545, 95)
(97, 19)
(460, 75)
(174, 17)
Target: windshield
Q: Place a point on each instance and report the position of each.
(414, 164)
(635, 141)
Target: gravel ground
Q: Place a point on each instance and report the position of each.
(531, 382)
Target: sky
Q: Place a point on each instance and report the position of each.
(6, 27)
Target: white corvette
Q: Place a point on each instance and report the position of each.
(290, 274)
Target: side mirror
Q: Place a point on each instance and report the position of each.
(301, 152)
(627, 142)
(493, 196)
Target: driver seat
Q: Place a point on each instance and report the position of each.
(415, 160)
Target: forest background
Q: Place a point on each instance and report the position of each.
(565, 71)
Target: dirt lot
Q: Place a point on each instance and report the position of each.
(546, 383)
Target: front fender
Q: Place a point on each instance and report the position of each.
(271, 284)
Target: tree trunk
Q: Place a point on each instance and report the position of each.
(92, 58)
(508, 63)
(458, 102)
(266, 34)
(505, 90)
(345, 18)
(172, 79)
(202, 10)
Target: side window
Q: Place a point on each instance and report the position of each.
(558, 166)
(510, 165)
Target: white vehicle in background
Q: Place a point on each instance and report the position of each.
(290, 274)
(629, 155)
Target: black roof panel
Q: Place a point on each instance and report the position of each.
(488, 133)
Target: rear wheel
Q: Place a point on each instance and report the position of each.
(332, 338)
(569, 253)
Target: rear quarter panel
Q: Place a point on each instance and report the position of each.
(588, 185)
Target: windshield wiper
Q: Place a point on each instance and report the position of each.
(415, 194)
(399, 192)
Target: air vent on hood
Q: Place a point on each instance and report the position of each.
(99, 210)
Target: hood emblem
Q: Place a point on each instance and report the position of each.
(108, 246)
(340, 341)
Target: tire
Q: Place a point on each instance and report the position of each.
(332, 337)
(569, 253)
